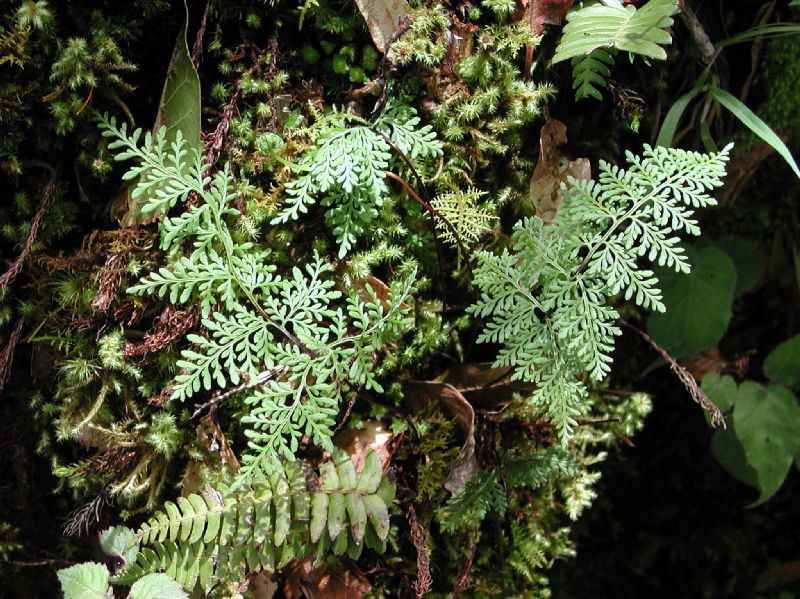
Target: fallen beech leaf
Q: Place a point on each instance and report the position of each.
(421, 393)
(383, 19)
(553, 169)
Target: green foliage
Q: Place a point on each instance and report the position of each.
(782, 365)
(487, 491)
(346, 167)
(611, 24)
(698, 304)
(157, 586)
(85, 581)
(766, 421)
(289, 336)
(221, 534)
(547, 303)
(589, 73)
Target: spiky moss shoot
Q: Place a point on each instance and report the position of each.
(164, 435)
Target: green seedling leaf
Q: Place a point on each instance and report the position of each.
(783, 363)
(85, 581)
(721, 390)
(698, 304)
(157, 586)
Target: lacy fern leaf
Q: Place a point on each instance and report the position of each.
(296, 336)
(547, 303)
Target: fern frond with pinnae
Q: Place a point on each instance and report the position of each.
(548, 302)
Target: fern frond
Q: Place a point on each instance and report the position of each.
(462, 211)
(223, 535)
(548, 302)
(589, 73)
(612, 24)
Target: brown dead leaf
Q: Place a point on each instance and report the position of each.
(383, 19)
(553, 169)
(701, 364)
(419, 394)
(484, 385)
(541, 12)
(356, 442)
(323, 583)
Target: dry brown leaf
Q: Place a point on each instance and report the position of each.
(357, 442)
(484, 385)
(553, 169)
(541, 12)
(419, 394)
(323, 583)
(383, 19)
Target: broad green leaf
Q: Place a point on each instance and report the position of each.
(612, 24)
(750, 120)
(120, 542)
(85, 581)
(698, 304)
(729, 452)
(782, 365)
(767, 422)
(157, 586)
(178, 111)
(749, 261)
(721, 390)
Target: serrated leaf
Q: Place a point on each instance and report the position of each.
(612, 24)
(157, 586)
(721, 390)
(782, 365)
(85, 581)
(698, 304)
(749, 261)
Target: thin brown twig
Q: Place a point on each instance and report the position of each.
(197, 49)
(684, 376)
(47, 198)
(463, 577)
(7, 355)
